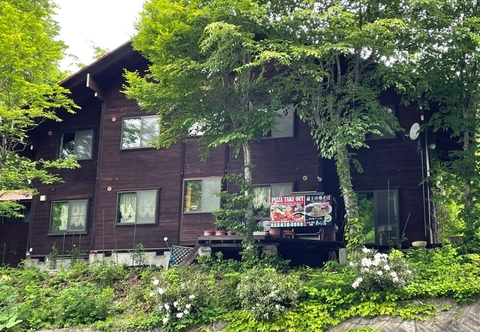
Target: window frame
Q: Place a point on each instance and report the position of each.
(143, 145)
(217, 204)
(61, 143)
(385, 135)
(289, 119)
(287, 183)
(136, 222)
(394, 231)
(84, 230)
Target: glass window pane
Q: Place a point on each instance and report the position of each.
(282, 189)
(387, 216)
(127, 203)
(150, 130)
(210, 188)
(59, 216)
(78, 215)
(131, 133)
(366, 214)
(67, 145)
(146, 206)
(193, 196)
(261, 201)
(284, 126)
(83, 144)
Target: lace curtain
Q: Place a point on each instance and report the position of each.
(146, 202)
(78, 214)
(127, 207)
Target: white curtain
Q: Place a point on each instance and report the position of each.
(147, 201)
(261, 197)
(78, 214)
(127, 207)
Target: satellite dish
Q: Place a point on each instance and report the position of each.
(414, 131)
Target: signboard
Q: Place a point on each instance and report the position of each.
(300, 210)
(318, 210)
(287, 211)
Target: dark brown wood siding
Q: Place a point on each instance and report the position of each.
(78, 183)
(13, 243)
(132, 170)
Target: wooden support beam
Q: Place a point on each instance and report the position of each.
(95, 87)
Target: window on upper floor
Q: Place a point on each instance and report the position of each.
(262, 194)
(284, 126)
(138, 132)
(77, 143)
(137, 207)
(200, 195)
(379, 212)
(384, 134)
(69, 215)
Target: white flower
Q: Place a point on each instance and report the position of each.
(161, 290)
(152, 293)
(366, 262)
(175, 304)
(186, 312)
(395, 279)
(179, 314)
(393, 274)
(379, 272)
(357, 282)
(191, 297)
(155, 282)
(366, 250)
(188, 306)
(386, 267)
(166, 306)
(165, 320)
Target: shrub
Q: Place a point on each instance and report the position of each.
(379, 272)
(184, 296)
(267, 293)
(82, 305)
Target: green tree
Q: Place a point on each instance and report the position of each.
(338, 58)
(205, 74)
(444, 72)
(29, 92)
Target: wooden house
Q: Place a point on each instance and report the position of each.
(127, 193)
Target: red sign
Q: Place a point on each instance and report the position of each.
(301, 210)
(287, 211)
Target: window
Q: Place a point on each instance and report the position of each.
(69, 216)
(77, 143)
(200, 195)
(137, 207)
(139, 131)
(385, 134)
(262, 194)
(284, 123)
(25, 218)
(378, 211)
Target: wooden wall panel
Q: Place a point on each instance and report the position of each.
(78, 183)
(134, 169)
(13, 243)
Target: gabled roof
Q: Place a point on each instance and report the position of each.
(104, 72)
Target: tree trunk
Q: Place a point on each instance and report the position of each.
(353, 227)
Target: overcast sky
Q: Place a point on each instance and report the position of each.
(87, 23)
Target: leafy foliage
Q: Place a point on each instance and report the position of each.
(117, 298)
(267, 293)
(29, 93)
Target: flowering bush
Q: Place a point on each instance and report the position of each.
(377, 271)
(179, 296)
(267, 293)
